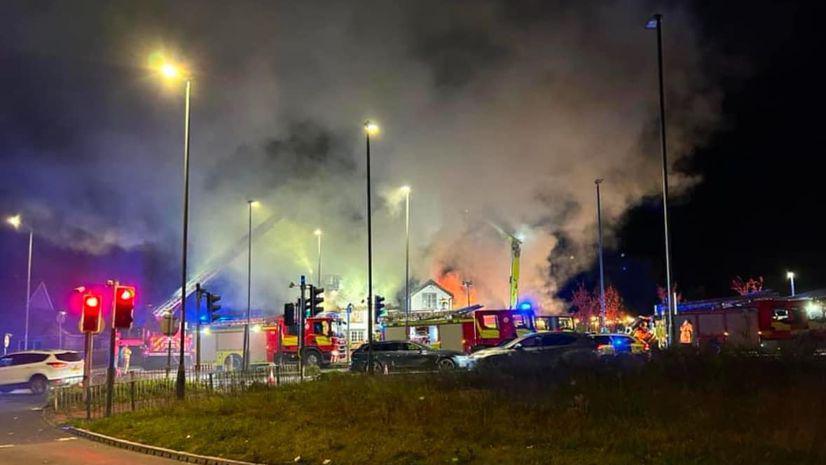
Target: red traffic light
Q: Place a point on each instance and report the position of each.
(90, 320)
(124, 304)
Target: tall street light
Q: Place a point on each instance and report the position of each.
(317, 234)
(17, 222)
(656, 23)
(790, 277)
(175, 73)
(246, 347)
(370, 129)
(406, 192)
(602, 312)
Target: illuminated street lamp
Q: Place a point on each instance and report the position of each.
(790, 277)
(406, 191)
(246, 347)
(317, 234)
(16, 222)
(175, 73)
(656, 23)
(370, 129)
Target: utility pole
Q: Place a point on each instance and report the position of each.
(656, 22)
(601, 268)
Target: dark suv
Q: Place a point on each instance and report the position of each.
(538, 350)
(406, 355)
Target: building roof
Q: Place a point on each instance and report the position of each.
(430, 282)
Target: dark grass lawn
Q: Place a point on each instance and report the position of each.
(680, 409)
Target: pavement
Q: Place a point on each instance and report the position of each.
(26, 438)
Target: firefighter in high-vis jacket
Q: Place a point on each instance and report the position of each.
(686, 332)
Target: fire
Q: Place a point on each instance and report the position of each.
(452, 282)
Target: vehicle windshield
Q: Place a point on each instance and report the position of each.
(327, 328)
(511, 343)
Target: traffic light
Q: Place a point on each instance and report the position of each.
(91, 320)
(289, 314)
(379, 307)
(212, 309)
(316, 299)
(308, 302)
(124, 305)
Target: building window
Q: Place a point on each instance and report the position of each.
(357, 335)
(429, 300)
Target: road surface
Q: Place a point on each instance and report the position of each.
(26, 438)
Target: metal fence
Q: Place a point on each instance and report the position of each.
(146, 389)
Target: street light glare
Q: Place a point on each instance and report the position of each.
(405, 190)
(371, 128)
(317, 232)
(253, 203)
(789, 275)
(170, 71)
(15, 221)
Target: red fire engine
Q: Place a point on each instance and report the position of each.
(765, 321)
(473, 329)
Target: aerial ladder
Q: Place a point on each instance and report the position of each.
(516, 252)
(213, 267)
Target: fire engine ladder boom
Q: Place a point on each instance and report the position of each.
(214, 266)
(516, 252)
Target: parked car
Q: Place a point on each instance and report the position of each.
(37, 369)
(406, 355)
(543, 349)
(620, 344)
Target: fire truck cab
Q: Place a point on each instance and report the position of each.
(324, 340)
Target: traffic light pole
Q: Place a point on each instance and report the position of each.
(87, 373)
(113, 350)
(198, 291)
(301, 311)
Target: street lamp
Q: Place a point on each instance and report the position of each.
(370, 129)
(597, 182)
(468, 284)
(656, 23)
(16, 222)
(174, 72)
(790, 277)
(246, 347)
(406, 191)
(317, 234)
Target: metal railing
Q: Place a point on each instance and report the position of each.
(147, 389)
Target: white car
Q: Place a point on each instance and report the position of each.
(37, 369)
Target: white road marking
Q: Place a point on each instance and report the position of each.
(71, 438)
(6, 446)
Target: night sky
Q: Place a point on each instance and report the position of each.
(90, 144)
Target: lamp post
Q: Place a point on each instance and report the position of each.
(655, 23)
(317, 234)
(175, 73)
(370, 129)
(597, 182)
(246, 347)
(790, 277)
(467, 283)
(16, 222)
(406, 192)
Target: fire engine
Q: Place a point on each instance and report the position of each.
(474, 328)
(273, 341)
(769, 322)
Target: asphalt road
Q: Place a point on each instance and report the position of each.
(26, 438)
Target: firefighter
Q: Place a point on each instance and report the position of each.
(686, 332)
(126, 353)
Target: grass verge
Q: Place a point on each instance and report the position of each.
(680, 409)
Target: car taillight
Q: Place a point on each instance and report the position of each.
(603, 346)
(645, 346)
(57, 364)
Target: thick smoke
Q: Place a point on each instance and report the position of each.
(493, 111)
